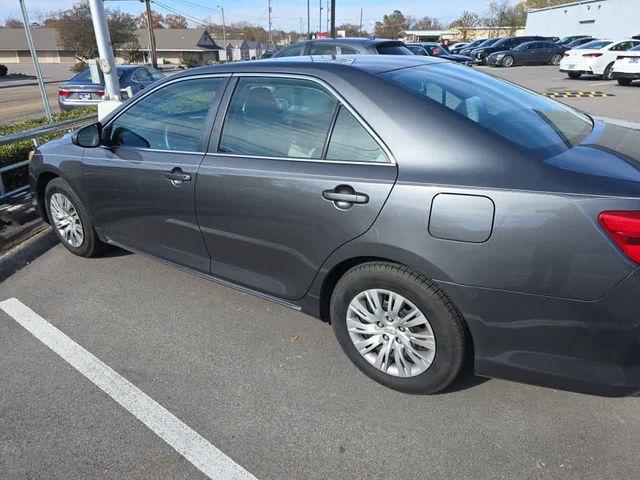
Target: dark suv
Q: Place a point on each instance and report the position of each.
(507, 43)
(345, 46)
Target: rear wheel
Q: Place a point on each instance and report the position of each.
(555, 59)
(625, 82)
(608, 72)
(507, 61)
(70, 220)
(398, 327)
(574, 75)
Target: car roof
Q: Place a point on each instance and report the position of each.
(348, 41)
(373, 64)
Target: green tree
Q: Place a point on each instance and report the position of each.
(350, 30)
(391, 25)
(75, 30)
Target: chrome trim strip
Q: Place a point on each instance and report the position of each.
(293, 159)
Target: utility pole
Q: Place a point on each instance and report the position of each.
(36, 64)
(270, 32)
(333, 18)
(360, 31)
(224, 28)
(152, 37)
(309, 19)
(320, 18)
(328, 13)
(107, 62)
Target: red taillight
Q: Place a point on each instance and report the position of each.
(592, 55)
(100, 93)
(63, 93)
(624, 229)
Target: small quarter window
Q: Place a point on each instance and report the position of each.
(351, 142)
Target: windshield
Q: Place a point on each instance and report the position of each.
(84, 77)
(393, 49)
(538, 124)
(488, 43)
(635, 49)
(595, 45)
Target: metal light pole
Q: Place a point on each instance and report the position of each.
(107, 62)
(320, 18)
(224, 28)
(333, 18)
(36, 64)
(270, 30)
(309, 19)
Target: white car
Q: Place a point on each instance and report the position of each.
(626, 68)
(595, 58)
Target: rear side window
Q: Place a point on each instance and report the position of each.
(392, 49)
(350, 141)
(323, 50)
(141, 75)
(535, 123)
(292, 52)
(278, 117)
(348, 51)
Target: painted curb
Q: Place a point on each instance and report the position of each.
(26, 252)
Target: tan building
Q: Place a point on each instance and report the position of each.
(14, 47)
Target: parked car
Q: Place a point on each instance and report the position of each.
(267, 54)
(80, 91)
(457, 46)
(626, 68)
(481, 53)
(580, 41)
(468, 50)
(570, 39)
(595, 58)
(331, 187)
(434, 49)
(344, 46)
(529, 53)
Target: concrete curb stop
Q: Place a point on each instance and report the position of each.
(26, 252)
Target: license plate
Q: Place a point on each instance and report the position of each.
(635, 60)
(84, 96)
(572, 67)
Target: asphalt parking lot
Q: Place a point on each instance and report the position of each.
(267, 386)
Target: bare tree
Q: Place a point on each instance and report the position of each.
(467, 21)
(424, 23)
(156, 18)
(11, 22)
(175, 21)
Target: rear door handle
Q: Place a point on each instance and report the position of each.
(344, 196)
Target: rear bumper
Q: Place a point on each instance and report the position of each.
(633, 76)
(590, 347)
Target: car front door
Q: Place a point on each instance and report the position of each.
(140, 183)
(291, 175)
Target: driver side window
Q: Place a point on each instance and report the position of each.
(171, 118)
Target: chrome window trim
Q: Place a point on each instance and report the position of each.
(339, 98)
(293, 159)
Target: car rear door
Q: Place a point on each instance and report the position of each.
(291, 174)
(140, 184)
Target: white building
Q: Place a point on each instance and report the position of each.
(614, 19)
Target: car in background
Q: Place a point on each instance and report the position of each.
(466, 50)
(434, 49)
(267, 54)
(457, 46)
(433, 214)
(529, 53)
(595, 58)
(626, 68)
(480, 54)
(579, 41)
(80, 91)
(570, 39)
(344, 46)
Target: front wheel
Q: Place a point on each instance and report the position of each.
(70, 220)
(574, 75)
(507, 61)
(398, 327)
(555, 59)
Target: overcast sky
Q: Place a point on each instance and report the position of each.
(286, 13)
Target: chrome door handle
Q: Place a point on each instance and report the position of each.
(177, 176)
(344, 197)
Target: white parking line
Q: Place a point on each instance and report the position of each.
(202, 454)
(601, 83)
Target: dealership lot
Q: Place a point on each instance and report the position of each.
(267, 386)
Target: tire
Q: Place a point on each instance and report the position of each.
(574, 75)
(555, 59)
(441, 327)
(608, 74)
(624, 82)
(507, 61)
(58, 193)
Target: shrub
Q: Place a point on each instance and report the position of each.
(191, 61)
(19, 151)
(3, 70)
(79, 66)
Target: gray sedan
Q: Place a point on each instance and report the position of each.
(82, 91)
(435, 215)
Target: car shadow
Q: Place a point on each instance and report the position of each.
(466, 380)
(114, 252)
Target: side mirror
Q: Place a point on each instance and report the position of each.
(89, 136)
